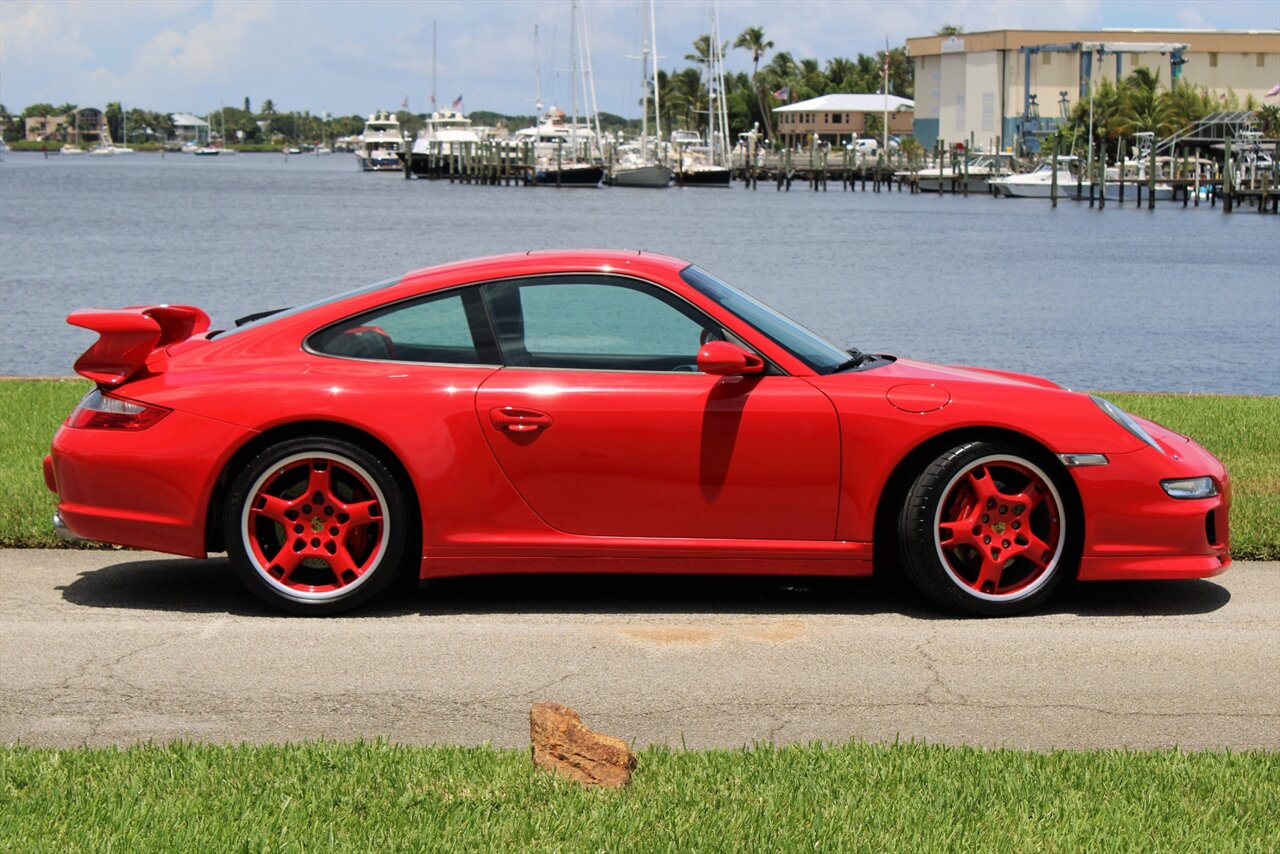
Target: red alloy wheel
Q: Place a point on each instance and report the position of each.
(999, 528)
(314, 525)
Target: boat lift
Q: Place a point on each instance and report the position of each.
(1031, 129)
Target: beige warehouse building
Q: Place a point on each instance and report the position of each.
(974, 86)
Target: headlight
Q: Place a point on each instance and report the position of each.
(1190, 487)
(1125, 420)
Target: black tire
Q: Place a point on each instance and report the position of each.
(989, 528)
(316, 525)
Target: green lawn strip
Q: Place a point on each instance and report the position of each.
(1243, 431)
(375, 797)
(30, 412)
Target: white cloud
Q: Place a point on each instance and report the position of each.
(1190, 18)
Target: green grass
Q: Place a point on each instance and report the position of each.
(1243, 431)
(30, 412)
(379, 797)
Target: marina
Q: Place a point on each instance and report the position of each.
(1170, 299)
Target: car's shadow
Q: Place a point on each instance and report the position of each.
(209, 586)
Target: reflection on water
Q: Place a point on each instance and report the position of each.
(1175, 300)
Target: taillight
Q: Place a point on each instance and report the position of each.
(98, 411)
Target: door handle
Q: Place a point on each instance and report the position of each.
(513, 420)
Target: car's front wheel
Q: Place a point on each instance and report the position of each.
(316, 525)
(987, 528)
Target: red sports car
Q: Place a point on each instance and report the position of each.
(604, 411)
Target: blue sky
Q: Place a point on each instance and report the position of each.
(347, 58)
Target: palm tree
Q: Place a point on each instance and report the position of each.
(949, 30)
(752, 39)
(842, 74)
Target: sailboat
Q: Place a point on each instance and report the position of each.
(566, 152)
(106, 148)
(637, 167)
(708, 166)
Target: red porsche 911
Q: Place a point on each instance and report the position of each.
(603, 411)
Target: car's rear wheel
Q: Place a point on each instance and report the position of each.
(987, 529)
(316, 525)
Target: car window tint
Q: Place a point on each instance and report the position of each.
(435, 329)
(595, 325)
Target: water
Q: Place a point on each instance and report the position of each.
(1170, 300)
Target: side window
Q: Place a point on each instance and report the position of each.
(433, 329)
(595, 324)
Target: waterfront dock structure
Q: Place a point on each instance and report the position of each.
(1236, 178)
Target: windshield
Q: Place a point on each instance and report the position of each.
(270, 316)
(818, 353)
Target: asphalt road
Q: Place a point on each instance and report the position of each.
(112, 647)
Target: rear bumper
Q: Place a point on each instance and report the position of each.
(147, 489)
(1134, 531)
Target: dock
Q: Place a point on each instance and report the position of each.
(1233, 182)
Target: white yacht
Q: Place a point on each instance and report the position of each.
(981, 169)
(446, 132)
(380, 144)
(1037, 184)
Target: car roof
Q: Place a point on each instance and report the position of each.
(543, 261)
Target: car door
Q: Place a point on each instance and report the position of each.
(604, 425)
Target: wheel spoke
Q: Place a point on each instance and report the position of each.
(273, 507)
(951, 534)
(1037, 551)
(989, 573)
(288, 560)
(320, 478)
(1030, 498)
(982, 485)
(341, 563)
(362, 513)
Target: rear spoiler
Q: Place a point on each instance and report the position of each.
(132, 338)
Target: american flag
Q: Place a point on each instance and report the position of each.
(404, 105)
(457, 103)
(782, 94)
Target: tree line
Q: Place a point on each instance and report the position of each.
(1141, 103)
(684, 95)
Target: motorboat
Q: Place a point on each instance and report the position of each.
(380, 144)
(446, 133)
(980, 169)
(1037, 184)
(1134, 172)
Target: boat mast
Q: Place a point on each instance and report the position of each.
(538, 82)
(573, 77)
(657, 113)
(644, 116)
(720, 121)
(433, 65)
(589, 78)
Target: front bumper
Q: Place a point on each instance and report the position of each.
(1135, 531)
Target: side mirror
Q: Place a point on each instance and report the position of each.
(725, 359)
